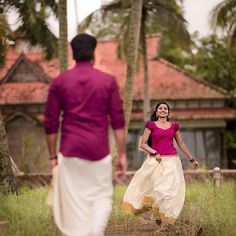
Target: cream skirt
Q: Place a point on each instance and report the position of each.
(159, 187)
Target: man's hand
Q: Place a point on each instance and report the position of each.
(53, 163)
(120, 165)
(196, 164)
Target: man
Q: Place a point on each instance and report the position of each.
(88, 100)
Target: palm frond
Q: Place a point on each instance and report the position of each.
(32, 19)
(161, 16)
(167, 17)
(5, 34)
(34, 27)
(115, 7)
(223, 16)
(222, 13)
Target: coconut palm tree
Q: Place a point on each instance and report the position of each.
(62, 44)
(223, 16)
(133, 42)
(157, 16)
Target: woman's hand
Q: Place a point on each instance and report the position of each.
(157, 156)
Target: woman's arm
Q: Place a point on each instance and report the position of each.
(184, 149)
(143, 143)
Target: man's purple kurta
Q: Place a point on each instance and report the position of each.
(88, 100)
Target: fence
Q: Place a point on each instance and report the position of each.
(218, 176)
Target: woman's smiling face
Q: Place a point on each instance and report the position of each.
(162, 111)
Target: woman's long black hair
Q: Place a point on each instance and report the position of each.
(155, 118)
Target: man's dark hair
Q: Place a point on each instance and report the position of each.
(83, 46)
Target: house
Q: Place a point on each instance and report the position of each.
(200, 108)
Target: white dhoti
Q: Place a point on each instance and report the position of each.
(158, 187)
(82, 196)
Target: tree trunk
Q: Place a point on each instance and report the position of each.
(133, 42)
(62, 47)
(7, 180)
(146, 98)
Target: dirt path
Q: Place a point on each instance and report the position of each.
(132, 228)
(149, 228)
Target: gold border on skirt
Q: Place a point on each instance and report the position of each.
(147, 204)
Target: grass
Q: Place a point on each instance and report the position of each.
(27, 214)
(213, 210)
(205, 210)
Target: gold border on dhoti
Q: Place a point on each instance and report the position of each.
(147, 204)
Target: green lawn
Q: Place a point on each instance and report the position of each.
(213, 211)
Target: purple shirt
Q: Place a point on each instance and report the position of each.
(162, 139)
(88, 100)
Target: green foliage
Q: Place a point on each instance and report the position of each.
(112, 21)
(32, 17)
(210, 59)
(172, 52)
(231, 139)
(214, 62)
(223, 17)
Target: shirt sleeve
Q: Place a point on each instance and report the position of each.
(52, 110)
(115, 107)
(149, 125)
(176, 127)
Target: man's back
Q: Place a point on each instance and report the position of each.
(87, 98)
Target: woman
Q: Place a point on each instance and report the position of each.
(158, 187)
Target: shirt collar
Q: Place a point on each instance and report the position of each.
(83, 64)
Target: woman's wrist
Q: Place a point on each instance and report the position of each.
(192, 160)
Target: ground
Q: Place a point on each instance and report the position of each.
(131, 228)
(150, 228)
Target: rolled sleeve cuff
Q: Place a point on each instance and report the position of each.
(118, 124)
(50, 129)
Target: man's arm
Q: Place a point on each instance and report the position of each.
(121, 161)
(118, 125)
(51, 122)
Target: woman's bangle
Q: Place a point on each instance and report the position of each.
(53, 157)
(192, 160)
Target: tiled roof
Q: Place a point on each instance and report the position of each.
(23, 93)
(167, 82)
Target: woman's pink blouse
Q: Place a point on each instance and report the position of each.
(163, 139)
